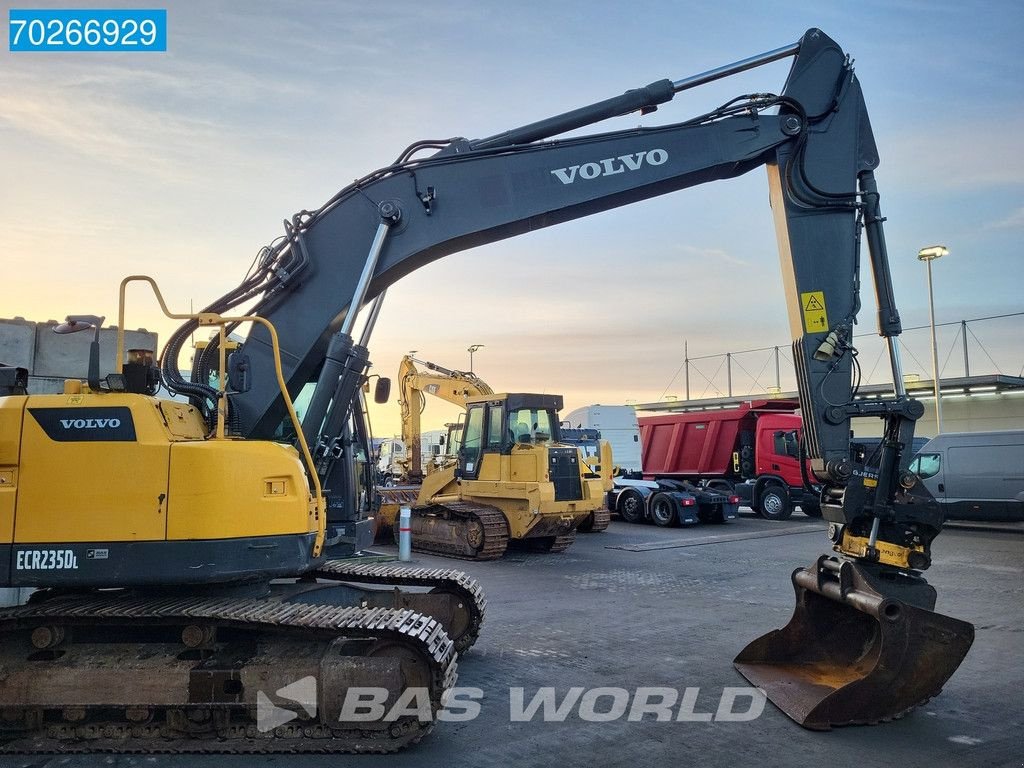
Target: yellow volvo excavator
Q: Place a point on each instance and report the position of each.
(152, 528)
(185, 579)
(509, 477)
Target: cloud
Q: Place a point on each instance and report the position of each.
(106, 131)
(1014, 221)
(954, 155)
(710, 256)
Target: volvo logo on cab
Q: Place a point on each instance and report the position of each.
(611, 166)
(90, 423)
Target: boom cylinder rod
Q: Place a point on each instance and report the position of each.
(889, 324)
(642, 100)
(897, 367)
(736, 67)
(364, 338)
(359, 296)
(339, 349)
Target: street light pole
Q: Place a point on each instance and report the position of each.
(928, 255)
(472, 348)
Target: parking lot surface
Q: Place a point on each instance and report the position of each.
(645, 607)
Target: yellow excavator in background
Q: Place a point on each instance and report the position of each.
(452, 386)
(507, 478)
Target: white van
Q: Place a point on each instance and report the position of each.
(975, 475)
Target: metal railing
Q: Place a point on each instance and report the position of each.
(980, 345)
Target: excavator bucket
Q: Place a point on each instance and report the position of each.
(860, 648)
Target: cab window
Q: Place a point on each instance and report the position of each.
(926, 465)
(473, 437)
(494, 433)
(527, 425)
(787, 443)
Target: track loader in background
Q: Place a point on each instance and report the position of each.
(509, 479)
(83, 501)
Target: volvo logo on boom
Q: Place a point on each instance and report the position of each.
(611, 166)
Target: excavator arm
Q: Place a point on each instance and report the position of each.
(814, 139)
(447, 384)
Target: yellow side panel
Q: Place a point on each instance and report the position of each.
(83, 490)
(491, 467)
(183, 421)
(528, 466)
(11, 412)
(223, 489)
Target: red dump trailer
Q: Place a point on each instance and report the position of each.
(751, 451)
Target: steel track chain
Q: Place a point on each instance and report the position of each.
(448, 579)
(495, 531)
(562, 542)
(288, 619)
(602, 519)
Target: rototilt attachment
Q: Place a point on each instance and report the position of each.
(863, 646)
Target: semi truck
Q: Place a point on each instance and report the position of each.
(665, 502)
(751, 452)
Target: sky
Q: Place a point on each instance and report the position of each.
(180, 165)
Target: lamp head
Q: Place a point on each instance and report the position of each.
(932, 252)
(76, 323)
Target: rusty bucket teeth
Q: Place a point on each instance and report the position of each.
(861, 648)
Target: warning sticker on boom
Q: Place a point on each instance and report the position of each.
(815, 319)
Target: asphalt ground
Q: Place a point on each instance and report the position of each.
(639, 606)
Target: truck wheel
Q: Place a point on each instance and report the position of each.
(775, 504)
(631, 506)
(663, 511)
